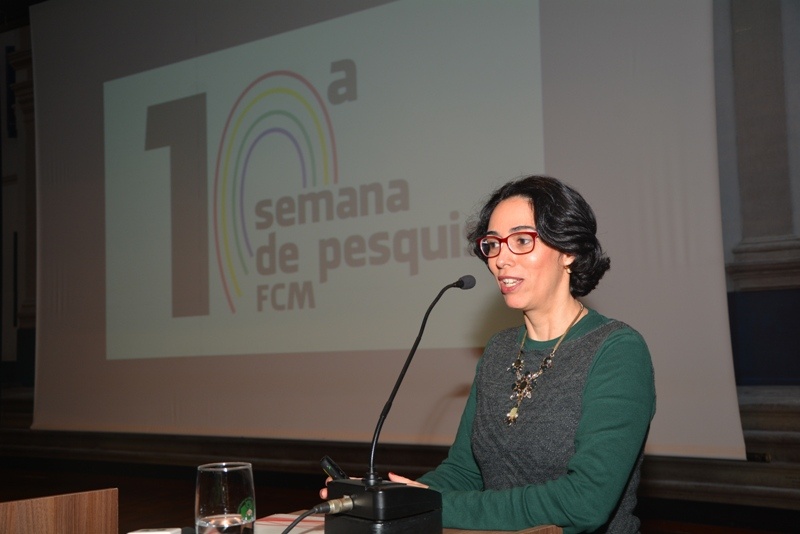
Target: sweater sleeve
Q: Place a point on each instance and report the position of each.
(458, 471)
(618, 405)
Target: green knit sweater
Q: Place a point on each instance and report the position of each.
(573, 457)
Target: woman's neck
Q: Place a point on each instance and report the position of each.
(544, 325)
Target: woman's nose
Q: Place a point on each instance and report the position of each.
(504, 257)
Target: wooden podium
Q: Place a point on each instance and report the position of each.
(544, 529)
(90, 512)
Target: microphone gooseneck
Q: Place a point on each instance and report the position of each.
(372, 478)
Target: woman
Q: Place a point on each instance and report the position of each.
(554, 427)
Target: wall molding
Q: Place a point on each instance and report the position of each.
(765, 263)
(745, 483)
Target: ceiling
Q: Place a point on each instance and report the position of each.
(14, 13)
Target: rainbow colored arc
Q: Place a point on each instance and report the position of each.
(256, 115)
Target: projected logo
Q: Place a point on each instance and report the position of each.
(278, 137)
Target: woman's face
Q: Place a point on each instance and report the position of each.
(535, 281)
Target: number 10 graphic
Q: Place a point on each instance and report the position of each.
(180, 125)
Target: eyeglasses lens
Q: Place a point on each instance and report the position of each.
(518, 243)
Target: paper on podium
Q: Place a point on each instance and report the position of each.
(277, 523)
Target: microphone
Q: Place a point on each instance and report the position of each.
(465, 282)
(383, 506)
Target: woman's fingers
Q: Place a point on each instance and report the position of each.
(397, 478)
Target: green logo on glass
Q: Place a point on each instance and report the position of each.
(247, 510)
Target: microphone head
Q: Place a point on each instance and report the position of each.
(466, 282)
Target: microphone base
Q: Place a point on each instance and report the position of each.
(385, 508)
(427, 523)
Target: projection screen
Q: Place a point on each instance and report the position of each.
(245, 208)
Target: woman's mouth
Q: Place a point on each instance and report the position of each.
(508, 284)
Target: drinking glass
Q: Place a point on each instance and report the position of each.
(224, 501)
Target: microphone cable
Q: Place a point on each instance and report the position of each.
(334, 506)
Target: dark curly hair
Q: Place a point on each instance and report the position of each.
(564, 221)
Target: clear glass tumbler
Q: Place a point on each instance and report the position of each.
(225, 501)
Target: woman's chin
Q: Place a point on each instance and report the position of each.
(513, 301)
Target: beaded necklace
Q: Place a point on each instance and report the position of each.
(525, 382)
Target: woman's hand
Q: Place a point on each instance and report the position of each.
(397, 478)
(323, 493)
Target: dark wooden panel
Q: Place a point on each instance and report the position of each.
(290, 456)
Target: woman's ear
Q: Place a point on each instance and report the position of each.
(566, 262)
